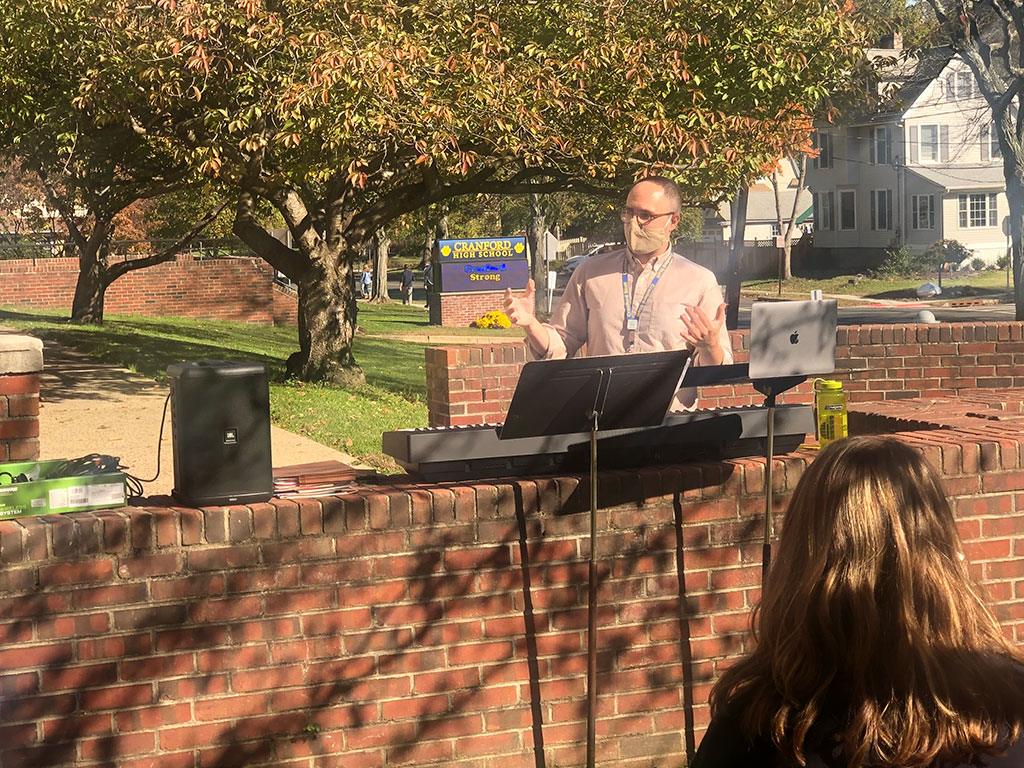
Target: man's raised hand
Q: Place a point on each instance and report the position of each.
(521, 311)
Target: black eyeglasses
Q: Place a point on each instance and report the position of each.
(643, 217)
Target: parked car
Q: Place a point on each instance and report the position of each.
(566, 270)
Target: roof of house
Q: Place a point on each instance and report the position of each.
(954, 178)
(911, 77)
(761, 204)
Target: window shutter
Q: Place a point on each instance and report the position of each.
(984, 143)
(913, 144)
(831, 212)
(951, 87)
(993, 211)
(886, 145)
(888, 209)
(874, 209)
(944, 143)
(871, 144)
(931, 212)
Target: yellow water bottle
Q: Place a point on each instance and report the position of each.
(829, 410)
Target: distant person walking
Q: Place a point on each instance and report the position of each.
(407, 285)
(428, 277)
(365, 281)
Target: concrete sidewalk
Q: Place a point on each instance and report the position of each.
(87, 406)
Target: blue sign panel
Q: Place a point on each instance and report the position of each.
(476, 248)
(490, 275)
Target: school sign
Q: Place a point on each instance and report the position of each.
(482, 264)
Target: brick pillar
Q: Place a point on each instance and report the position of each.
(21, 362)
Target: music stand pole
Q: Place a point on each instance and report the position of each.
(770, 388)
(592, 603)
(766, 547)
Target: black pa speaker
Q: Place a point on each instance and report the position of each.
(220, 419)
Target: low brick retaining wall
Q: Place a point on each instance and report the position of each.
(228, 288)
(425, 625)
(21, 362)
(474, 384)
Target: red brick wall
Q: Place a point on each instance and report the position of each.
(19, 417)
(421, 625)
(461, 309)
(474, 384)
(286, 305)
(223, 288)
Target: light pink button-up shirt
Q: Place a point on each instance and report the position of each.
(592, 312)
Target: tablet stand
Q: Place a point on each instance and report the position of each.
(577, 396)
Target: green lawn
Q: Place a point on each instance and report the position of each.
(991, 281)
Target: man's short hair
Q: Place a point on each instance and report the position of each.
(669, 187)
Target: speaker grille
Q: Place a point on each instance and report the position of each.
(220, 417)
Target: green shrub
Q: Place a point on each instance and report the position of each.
(1003, 261)
(977, 264)
(898, 262)
(945, 252)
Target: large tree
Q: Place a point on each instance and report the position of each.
(93, 163)
(987, 35)
(348, 114)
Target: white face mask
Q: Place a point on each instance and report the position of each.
(644, 242)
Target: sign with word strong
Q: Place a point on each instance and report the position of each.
(482, 264)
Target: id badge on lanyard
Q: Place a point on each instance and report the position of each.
(633, 320)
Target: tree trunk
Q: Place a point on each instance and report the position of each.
(738, 209)
(90, 291)
(382, 245)
(92, 282)
(327, 320)
(535, 236)
(1015, 198)
(428, 245)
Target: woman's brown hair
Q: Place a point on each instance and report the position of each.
(869, 620)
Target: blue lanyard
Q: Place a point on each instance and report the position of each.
(633, 321)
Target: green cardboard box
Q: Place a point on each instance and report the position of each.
(40, 494)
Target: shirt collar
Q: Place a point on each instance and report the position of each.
(653, 264)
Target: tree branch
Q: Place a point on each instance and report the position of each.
(123, 267)
(263, 244)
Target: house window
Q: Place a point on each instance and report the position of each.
(824, 143)
(822, 211)
(775, 230)
(978, 210)
(922, 211)
(881, 209)
(993, 142)
(928, 143)
(880, 146)
(960, 85)
(847, 209)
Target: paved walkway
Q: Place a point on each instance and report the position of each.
(87, 406)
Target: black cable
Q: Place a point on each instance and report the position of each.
(134, 484)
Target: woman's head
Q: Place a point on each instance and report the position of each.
(869, 613)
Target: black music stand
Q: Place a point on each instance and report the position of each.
(557, 397)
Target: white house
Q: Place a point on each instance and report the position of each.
(762, 222)
(927, 169)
